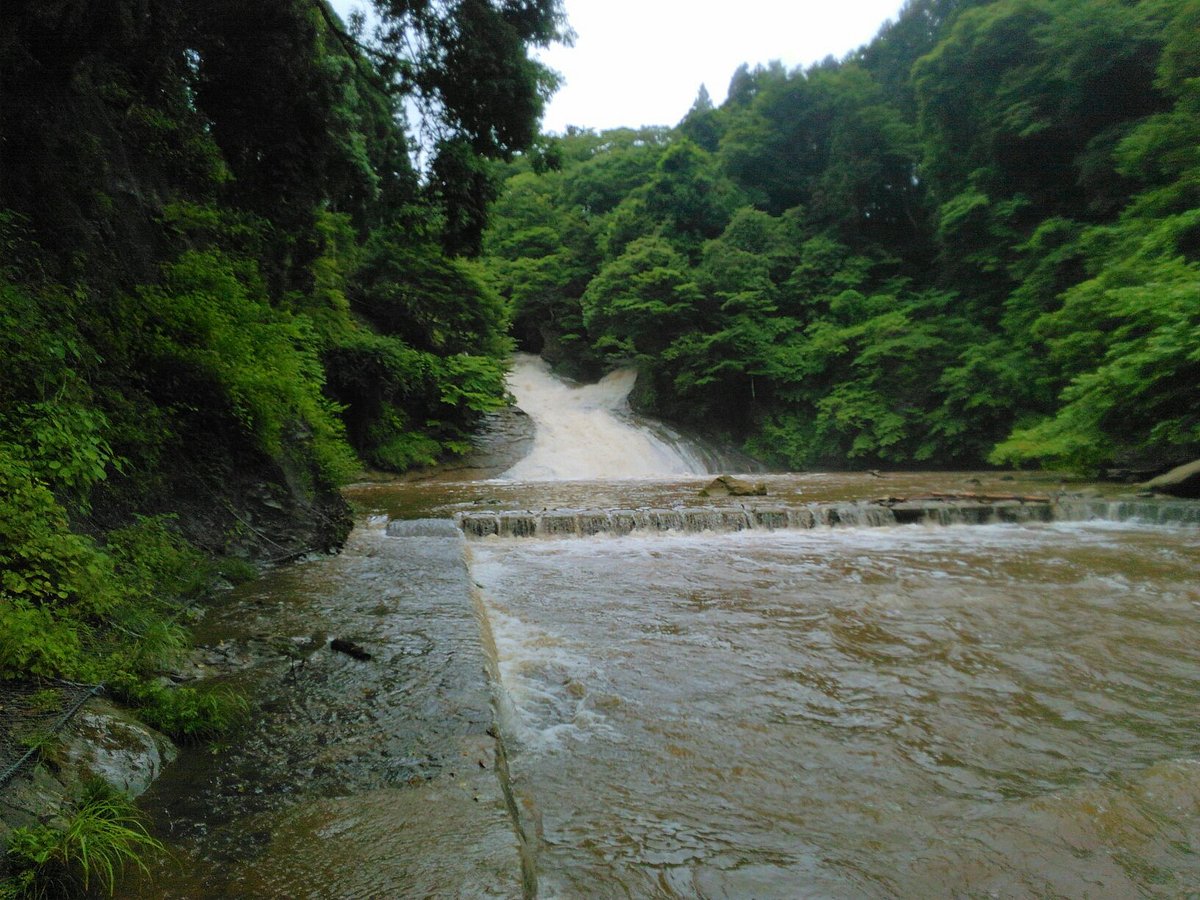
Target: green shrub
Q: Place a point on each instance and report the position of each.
(102, 835)
(54, 584)
(406, 407)
(186, 714)
(211, 321)
(395, 446)
(70, 608)
(153, 559)
(234, 570)
(36, 641)
(47, 412)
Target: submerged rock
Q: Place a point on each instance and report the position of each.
(1182, 481)
(728, 486)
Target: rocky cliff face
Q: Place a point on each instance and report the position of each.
(1182, 481)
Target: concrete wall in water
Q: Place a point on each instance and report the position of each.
(583, 523)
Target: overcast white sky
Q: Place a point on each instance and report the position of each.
(641, 62)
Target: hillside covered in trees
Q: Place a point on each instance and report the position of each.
(976, 239)
(235, 264)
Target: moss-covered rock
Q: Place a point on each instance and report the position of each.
(108, 743)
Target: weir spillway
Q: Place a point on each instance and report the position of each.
(560, 523)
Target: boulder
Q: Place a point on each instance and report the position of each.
(107, 743)
(1182, 481)
(728, 486)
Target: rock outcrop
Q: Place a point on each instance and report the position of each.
(107, 743)
(728, 486)
(1182, 481)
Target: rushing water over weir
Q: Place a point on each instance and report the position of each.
(585, 523)
(947, 684)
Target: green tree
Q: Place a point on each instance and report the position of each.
(639, 301)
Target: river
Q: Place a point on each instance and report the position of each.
(999, 709)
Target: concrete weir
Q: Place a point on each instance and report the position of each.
(436, 548)
(373, 765)
(698, 519)
(865, 514)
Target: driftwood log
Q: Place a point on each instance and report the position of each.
(349, 648)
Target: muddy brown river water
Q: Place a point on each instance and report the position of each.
(901, 711)
(1003, 709)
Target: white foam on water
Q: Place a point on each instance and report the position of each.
(548, 703)
(838, 700)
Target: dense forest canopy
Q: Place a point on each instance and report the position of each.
(976, 239)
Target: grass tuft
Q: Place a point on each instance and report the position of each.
(89, 851)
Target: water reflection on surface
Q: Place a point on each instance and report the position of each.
(894, 711)
(352, 778)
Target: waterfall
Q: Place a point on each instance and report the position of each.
(1156, 511)
(585, 432)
